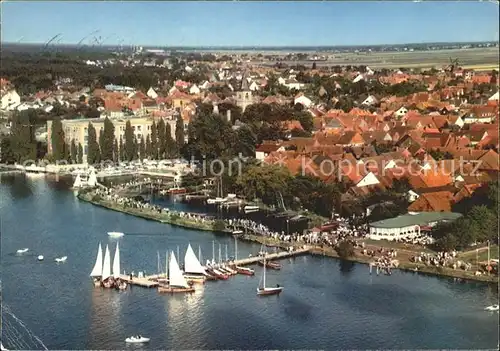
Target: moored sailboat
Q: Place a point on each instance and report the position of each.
(177, 282)
(193, 270)
(268, 264)
(120, 285)
(106, 269)
(263, 291)
(96, 273)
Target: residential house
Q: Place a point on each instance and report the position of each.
(300, 98)
(152, 93)
(10, 100)
(194, 90)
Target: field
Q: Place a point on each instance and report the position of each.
(478, 59)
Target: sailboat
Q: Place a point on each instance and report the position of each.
(92, 182)
(106, 268)
(177, 282)
(193, 270)
(116, 270)
(96, 273)
(78, 182)
(219, 199)
(262, 291)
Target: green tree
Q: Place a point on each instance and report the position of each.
(80, 153)
(6, 153)
(162, 142)
(154, 142)
(142, 149)
(116, 151)
(170, 145)
(219, 225)
(179, 132)
(148, 146)
(93, 154)
(122, 150)
(107, 140)
(59, 148)
(129, 147)
(345, 249)
(74, 152)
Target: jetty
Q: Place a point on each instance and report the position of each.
(145, 282)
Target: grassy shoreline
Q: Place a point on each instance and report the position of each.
(319, 251)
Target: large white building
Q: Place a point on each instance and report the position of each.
(408, 225)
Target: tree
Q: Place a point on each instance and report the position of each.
(142, 149)
(129, 147)
(170, 145)
(80, 153)
(179, 132)
(93, 155)
(313, 65)
(162, 142)
(59, 149)
(74, 152)
(154, 142)
(107, 140)
(345, 249)
(116, 151)
(121, 150)
(148, 146)
(6, 153)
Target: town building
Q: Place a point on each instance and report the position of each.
(409, 225)
(77, 130)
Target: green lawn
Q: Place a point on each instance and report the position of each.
(482, 256)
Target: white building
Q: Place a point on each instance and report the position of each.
(303, 100)
(194, 89)
(10, 100)
(409, 225)
(370, 101)
(152, 93)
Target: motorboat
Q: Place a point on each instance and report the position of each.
(116, 234)
(61, 259)
(21, 251)
(40, 258)
(237, 232)
(251, 208)
(137, 339)
(492, 308)
(217, 200)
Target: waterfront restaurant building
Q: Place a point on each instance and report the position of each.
(77, 129)
(409, 225)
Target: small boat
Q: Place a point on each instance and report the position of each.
(265, 291)
(116, 234)
(492, 308)
(237, 232)
(250, 209)
(272, 265)
(96, 273)
(230, 270)
(245, 270)
(177, 190)
(218, 274)
(137, 339)
(40, 258)
(21, 251)
(61, 259)
(217, 200)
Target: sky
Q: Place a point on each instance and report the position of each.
(211, 23)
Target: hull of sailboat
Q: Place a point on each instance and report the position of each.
(225, 270)
(245, 271)
(272, 265)
(174, 289)
(97, 283)
(196, 279)
(269, 291)
(218, 274)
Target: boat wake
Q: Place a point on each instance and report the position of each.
(16, 335)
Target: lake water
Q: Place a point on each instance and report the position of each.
(326, 304)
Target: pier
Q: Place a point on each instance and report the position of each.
(145, 282)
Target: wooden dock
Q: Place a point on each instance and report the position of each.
(271, 257)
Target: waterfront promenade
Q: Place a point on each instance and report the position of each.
(201, 222)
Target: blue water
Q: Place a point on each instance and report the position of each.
(326, 304)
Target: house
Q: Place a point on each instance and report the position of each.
(401, 112)
(439, 201)
(408, 225)
(152, 93)
(263, 150)
(303, 100)
(10, 100)
(254, 86)
(370, 101)
(194, 89)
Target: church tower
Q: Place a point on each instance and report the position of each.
(244, 95)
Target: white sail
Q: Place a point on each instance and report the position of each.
(78, 182)
(191, 262)
(116, 263)
(175, 274)
(92, 179)
(106, 268)
(97, 270)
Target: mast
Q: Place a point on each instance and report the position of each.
(213, 251)
(220, 256)
(227, 258)
(166, 263)
(235, 249)
(264, 279)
